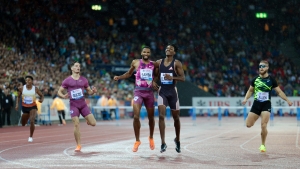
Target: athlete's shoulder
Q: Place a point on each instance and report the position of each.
(67, 80)
(177, 61)
(255, 78)
(83, 78)
(272, 77)
(158, 61)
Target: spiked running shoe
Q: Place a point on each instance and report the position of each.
(163, 148)
(151, 143)
(30, 139)
(78, 148)
(177, 146)
(136, 146)
(262, 148)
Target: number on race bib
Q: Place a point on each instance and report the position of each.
(28, 99)
(76, 94)
(146, 74)
(263, 96)
(165, 81)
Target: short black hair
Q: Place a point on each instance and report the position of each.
(147, 47)
(174, 46)
(30, 77)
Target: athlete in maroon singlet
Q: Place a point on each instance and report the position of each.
(170, 71)
(143, 93)
(75, 86)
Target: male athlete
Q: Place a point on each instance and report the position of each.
(170, 71)
(143, 93)
(75, 86)
(262, 86)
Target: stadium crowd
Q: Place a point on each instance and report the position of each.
(218, 46)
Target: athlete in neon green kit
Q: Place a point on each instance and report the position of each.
(262, 86)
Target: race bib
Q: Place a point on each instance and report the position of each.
(28, 99)
(76, 94)
(263, 96)
(165, 81)
(146, 74)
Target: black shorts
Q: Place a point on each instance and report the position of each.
(168, 98)
(258, 107)
(28, 109)
(61, 111)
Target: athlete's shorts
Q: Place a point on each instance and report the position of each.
(168, 98)
(28, 109)
(144, 96)
(258, 107)
(79, 107)
(61, 111)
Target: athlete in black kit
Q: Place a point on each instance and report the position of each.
(170, 71)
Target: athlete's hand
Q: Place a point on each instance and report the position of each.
(17, 107)
(41, 101)
(290, 103)
(65, 96)
(116, 78)
(244, 102)
(94, 90)
(168, 77)
(155, 85)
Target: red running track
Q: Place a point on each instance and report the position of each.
(205, 143)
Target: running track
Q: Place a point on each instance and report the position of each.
(205, 144)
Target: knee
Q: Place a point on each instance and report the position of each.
(76, 125)
(249, 125)
(136, 117)
(93, 123)
(161, 117)
(264, 126)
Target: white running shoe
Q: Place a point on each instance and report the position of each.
(30, 139)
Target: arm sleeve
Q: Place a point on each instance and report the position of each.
(274, 82)
(252, 82)
(65, 84)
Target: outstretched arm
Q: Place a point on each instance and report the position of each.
(128, 73)
(282, 95)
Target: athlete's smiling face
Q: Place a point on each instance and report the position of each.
(76, 68)
(146, 53)
(170, 50)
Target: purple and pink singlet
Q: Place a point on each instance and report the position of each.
(143, 92)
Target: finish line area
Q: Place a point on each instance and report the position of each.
(205, 143)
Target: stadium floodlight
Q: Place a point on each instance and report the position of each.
(96, 7)
(261, 15)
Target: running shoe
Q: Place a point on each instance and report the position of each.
(151, 143)
(163, 148)
(30, 139)
(78, 148)
(177, 145)
(262, 148)
(136, 146)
